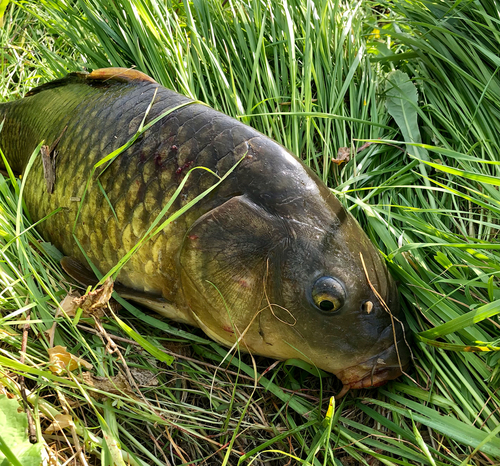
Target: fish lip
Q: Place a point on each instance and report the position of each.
(373, 372)
(376, 378)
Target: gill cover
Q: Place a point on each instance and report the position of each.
(225, 266)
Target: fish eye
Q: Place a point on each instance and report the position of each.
(328, 294)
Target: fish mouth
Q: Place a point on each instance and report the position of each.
(376, 371)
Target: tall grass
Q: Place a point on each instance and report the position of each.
(317, 77)
(261, 62)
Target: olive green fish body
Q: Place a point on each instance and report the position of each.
(96, 118)
(270, 256)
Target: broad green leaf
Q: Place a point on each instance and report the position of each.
(3, 7)
(402, 104)
(15, 447)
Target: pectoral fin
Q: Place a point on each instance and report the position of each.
(78, 272)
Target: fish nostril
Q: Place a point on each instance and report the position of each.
(367, 307)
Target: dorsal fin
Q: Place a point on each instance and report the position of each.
(101, 75)
(119, 74)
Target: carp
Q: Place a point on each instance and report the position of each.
(268, 259)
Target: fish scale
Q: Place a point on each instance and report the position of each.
(270, 257)
(96, 141)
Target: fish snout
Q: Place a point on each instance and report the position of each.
(377, 370)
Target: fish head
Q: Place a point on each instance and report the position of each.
(295, 276)
(333, 288)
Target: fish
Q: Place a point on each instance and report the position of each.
(264, 255)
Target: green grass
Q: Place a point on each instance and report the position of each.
(317, 77)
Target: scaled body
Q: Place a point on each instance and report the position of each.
(270, 252)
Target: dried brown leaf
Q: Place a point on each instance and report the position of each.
(61, 360)
(49, 155)
(60, 422)
(68, 304)
(343, 156)
(49, 167)
(92, 304)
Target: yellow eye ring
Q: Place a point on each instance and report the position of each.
(327, 302)
(328, 294)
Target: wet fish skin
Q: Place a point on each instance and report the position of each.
(246, 259)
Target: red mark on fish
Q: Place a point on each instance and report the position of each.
(244, 283)
(184, 167)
